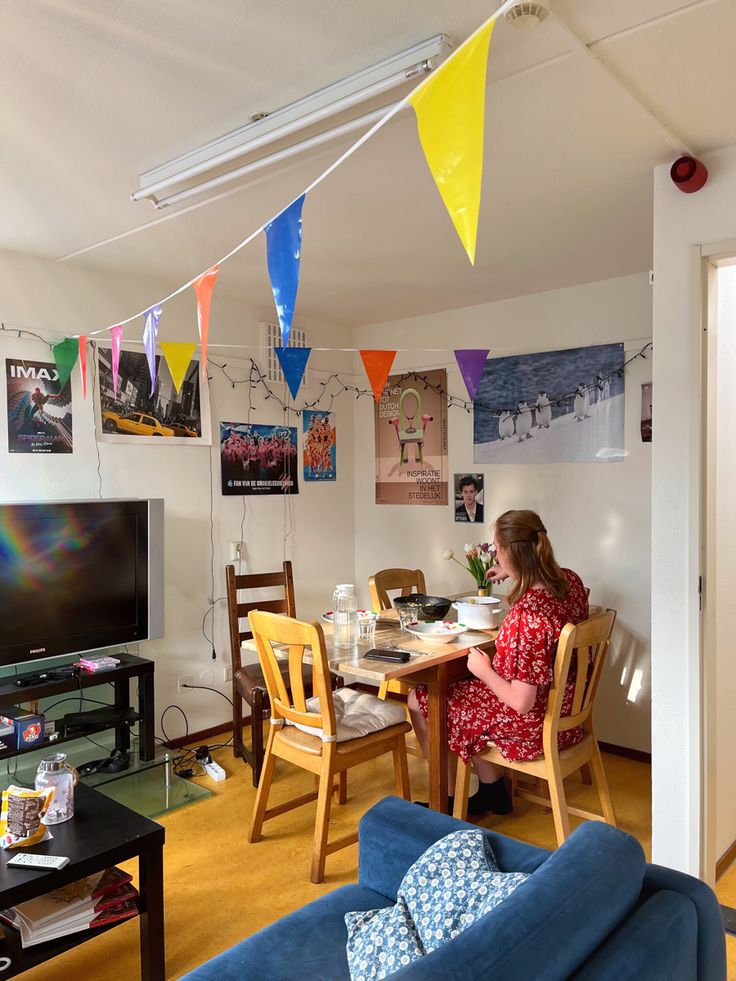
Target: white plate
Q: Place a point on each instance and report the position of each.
(439, 632)
(329, 617)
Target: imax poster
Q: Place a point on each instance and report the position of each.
(411, 439)
(39, 411)
(258, 460)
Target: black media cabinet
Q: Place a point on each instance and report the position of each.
(120, 676)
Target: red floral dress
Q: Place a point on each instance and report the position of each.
(525, 650)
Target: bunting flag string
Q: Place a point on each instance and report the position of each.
(203, 287)
(83, 363)
(456, 170)
(150, 331)
(293, 361)
(65, 353)
(450, 111)
(116, 336)
(377, 366)
(283, 257)
(178, 356)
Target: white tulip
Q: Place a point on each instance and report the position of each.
(468, 548)
(448, 554)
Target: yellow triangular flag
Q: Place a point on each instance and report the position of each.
(178, 358)
(450, 109)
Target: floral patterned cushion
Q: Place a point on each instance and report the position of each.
(449, 887)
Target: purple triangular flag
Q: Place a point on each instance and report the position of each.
(293, 361)
(283, 255)
(152, 318)
(471, 364)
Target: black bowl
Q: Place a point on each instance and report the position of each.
(427, 607)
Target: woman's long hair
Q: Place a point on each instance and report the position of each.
(532, 558)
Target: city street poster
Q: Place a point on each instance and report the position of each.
(135, 415)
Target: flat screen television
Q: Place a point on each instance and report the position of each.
(77, 576)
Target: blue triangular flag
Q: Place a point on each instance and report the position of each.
(283, 254)
(293, 361)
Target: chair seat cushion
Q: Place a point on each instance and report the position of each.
(306, 742)
(356, 714)
(455, 882)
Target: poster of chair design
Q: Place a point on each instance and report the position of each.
(411, 439)
(552, 407)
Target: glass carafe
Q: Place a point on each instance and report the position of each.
(345, 610)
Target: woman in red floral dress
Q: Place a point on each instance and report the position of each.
(505, 702)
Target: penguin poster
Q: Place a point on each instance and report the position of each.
(39, 410)
(551, 407)
(411, 439)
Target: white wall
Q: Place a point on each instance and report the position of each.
(598, 515)
(725, 586)
(682, 222)
(41, 295)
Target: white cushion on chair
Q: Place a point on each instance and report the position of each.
(356, 714)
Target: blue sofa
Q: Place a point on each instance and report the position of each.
(593, 911)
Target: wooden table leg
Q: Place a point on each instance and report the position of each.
(151, 874)
(437, 721)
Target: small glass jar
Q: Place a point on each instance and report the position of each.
(54, 771)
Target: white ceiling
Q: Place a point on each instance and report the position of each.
(97, 91)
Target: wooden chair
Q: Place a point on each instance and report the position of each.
(320, 755)
(408, 581)
(248, 681)
(581, 653)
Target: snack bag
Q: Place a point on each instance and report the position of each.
(20, 817)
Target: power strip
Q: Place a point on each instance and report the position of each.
(215, 771)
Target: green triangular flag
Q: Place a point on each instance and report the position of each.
(65, 356)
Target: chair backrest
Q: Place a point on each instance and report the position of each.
(238, 611)
(581, 653)
(290, 702)
(407, 580)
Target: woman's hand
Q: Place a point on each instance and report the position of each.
(478, 663)
(496, 574)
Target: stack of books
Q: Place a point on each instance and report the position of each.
(103, 898)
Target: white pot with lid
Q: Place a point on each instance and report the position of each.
(478, 612)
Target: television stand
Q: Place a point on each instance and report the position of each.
(119, 676)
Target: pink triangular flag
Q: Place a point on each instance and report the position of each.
(116, 334)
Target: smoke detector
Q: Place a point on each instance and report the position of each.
(525, 16)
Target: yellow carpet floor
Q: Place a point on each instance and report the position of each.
(220, 889)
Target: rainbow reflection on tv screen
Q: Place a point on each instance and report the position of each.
(72, 577)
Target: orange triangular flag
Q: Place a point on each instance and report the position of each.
(83, 363)
(203, 288)
(377, 365)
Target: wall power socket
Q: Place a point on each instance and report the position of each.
(237, 551)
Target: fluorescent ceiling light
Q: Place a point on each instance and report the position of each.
(177, 175)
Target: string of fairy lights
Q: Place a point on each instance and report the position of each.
(333, 387)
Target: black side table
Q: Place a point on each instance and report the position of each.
(101, 833)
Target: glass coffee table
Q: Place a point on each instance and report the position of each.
(102, 833)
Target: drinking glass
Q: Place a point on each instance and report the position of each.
(407, 615)
(367, 631)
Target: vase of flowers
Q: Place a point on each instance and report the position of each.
(478, 560)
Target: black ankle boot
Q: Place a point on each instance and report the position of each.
(491, 797)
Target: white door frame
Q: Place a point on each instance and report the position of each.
(713, 256)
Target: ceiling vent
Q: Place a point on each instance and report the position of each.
(525, 16)
(270, 339)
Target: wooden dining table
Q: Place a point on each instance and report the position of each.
(431, 664)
